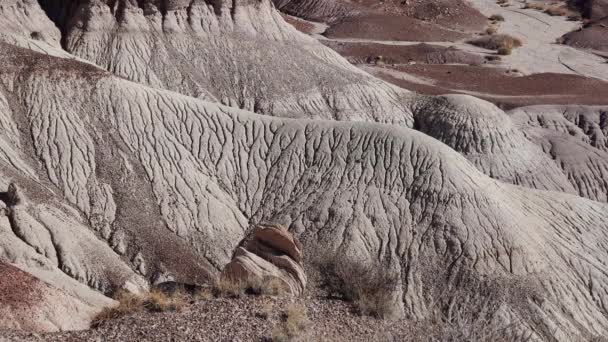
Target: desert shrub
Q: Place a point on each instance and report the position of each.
(158, 301)
(228, 287)
(293, 326)
(268, 286)
(497, 17)
(370, 287)
(504, 51)
(129, 303)
(534, 6)
(234, 288)
(491, 30)
(466, 306)
(557, 11)
(497, 41)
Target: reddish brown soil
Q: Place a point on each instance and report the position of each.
(502, 87)
(429, 20)
(300, 24)
(455, 14)
(359, 53)
(594, 34)
(383, 26)
(17, 288)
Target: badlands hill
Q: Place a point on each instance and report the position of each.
(142, 141)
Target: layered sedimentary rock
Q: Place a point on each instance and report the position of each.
(271, 252)
(365, 190)
(575, 137)
(128, 181)
(239, 53)
(490, 140)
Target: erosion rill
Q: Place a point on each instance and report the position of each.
(144, 140)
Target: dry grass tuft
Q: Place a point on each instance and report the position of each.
(370, 287)
(294, 325)
(268, 286)
(504, 51)
(129, 303)
(234, 288)
(227, 287)
(158, 301)
(497, 42)
(534, 6)
(557, 11)
(497, 17)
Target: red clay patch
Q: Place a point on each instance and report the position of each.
(504, 88)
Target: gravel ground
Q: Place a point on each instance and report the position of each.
(241, 319)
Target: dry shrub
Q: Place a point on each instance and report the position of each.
(497, 41)
(294, 324)
(267, 286)
(158, 301)
(491, 30)
(534, 6)
(129, 303)
(228, 287)
(497, 17)
(234, 288)
(370, 287)
(557, 11)
(504, 51)
(467, 307)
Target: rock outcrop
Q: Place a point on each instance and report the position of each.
(271, 252)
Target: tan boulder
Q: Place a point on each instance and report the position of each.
(270, 252)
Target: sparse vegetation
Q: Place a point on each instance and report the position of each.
(534, 6)
(504, 51)
(491, 30)
(500, 42)
(370, 287)
(293, 326)
(557, 11)
(234, 288)
(128, 303)
(497, 17)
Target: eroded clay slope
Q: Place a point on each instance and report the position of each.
(204, 172)
(239, 53)
(490, 140)
(27, 303)
(576, 138)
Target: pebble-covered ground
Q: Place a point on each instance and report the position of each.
(249, 318)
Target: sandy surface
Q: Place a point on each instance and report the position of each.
(539, 32)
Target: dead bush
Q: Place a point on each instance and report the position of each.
(557, 11)
(128, 303)
(370, 287)
(234, 288)
(497, 17)
(158, 301)
(504, 51)
(497, 41)
(465, 306)
(293, 326)
(534, 6)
